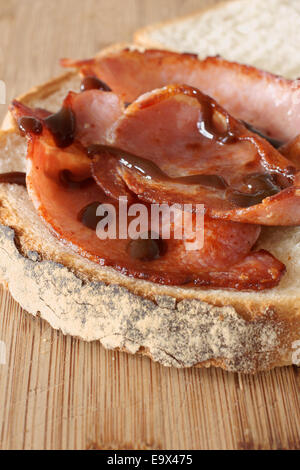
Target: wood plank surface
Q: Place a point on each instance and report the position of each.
(58, 392)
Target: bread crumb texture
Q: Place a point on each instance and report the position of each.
(265, 34)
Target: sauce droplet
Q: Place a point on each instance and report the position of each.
(212, 181)
(146, 250)
(226, 131)
(62, 127)
(30, 124)
(93, 83)
(214, 123)
(88, 215)
(261, 182)
(257, 186)
(14, 177)
(244, 200)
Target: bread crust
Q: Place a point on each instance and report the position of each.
(180, 334)
(175, 326)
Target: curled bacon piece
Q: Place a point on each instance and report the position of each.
(266, 101)
(186, 135)
(191, 141)
(96, 112)
(60, 186)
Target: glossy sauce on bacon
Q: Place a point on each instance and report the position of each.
(172, 145)
(224, 261)
(211, 143)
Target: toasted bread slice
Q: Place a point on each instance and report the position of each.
(263, 34)
(176, 326)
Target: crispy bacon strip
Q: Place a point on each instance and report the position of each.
(164, 127)
(149, 128)
(223, 262)
(60, 205)
(266, 101)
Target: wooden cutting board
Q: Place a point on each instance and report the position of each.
(57, 392)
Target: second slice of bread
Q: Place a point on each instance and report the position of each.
(264, 34)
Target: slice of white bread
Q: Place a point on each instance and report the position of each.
(263, 33)
(182, 327)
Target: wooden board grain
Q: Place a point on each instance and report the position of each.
(58, 392)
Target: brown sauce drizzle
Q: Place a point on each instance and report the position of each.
(206, 125)
(30, 124)
(62, 127)
(244, 200)
(208, 129)
(256, 186)
(259, 182)
(14, 177)
(260, 186)
(93, 83)
(151, 171)
(212, 181)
